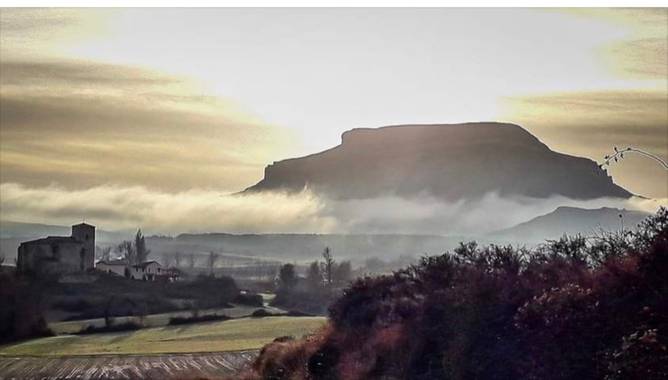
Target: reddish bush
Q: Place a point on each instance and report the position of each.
(558, 312)
(641, 356)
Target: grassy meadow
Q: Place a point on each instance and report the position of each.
(232, 335)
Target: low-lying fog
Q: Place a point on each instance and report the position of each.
(118, 208)
(390, 228)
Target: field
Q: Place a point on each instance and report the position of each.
(211, 350)
(219, 365)
(232, 335)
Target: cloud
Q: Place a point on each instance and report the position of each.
(39, 30)
(79, 124)
(81, 74)
(642, 52)
(114, 207)
(643, 58)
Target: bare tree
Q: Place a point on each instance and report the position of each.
(108, 314)
(212, 259)
(167, 259)
(191, 261)
(343, 273)
(128, 251)
(178, 257)
(328, 265)
(314, 275)
(105, 253)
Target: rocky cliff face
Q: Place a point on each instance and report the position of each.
(448, 161)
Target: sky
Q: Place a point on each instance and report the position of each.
(189, 104)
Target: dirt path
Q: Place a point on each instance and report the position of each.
(169, 366)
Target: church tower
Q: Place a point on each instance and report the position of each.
(85, 233)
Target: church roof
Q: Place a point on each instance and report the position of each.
(52, 239)
(83, 224)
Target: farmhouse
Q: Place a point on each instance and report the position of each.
(112, 266)
(148, 270)
(59, 254)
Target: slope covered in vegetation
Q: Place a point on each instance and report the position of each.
(575, 308)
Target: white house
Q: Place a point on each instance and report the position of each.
(112, 266)
(148, 270)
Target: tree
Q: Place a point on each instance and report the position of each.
(105, 253)
(314, 275)
(177, 258)
(108, 314)
(343, 273)
(374, 265)
(212, 259)
(287, 276)
(140, 246)
(167, 259)
(328, 265)
(128, 252)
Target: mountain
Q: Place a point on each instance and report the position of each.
(448, 161)
(571, 221)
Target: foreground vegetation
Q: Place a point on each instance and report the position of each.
(231, 335)
(26, 300)
(576, 308)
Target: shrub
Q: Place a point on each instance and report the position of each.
(641, 356)
(21, 308)
(261, 313)
(126, 326)
(197, 318)
(249, 300)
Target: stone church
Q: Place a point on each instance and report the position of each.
(59, 254)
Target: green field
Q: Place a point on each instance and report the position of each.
(232, 335)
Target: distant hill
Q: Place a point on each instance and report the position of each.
(10, 229)
(449, 161)
(571, 221)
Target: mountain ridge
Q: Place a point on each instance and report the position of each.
(568, 220)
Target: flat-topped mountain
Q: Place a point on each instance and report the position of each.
(448, 161)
